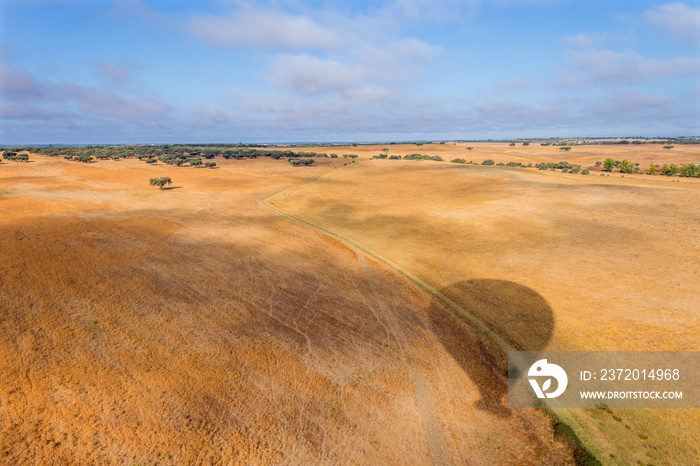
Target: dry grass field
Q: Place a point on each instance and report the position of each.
(192, 325)
(545, 260)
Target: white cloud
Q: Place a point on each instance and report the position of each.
(608, 66)
(624, 102)
(114, 73)
(264, 28)
(678, 20)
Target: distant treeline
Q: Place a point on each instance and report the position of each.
(174, 154)
(207, 151)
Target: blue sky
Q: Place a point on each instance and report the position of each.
(142, 71)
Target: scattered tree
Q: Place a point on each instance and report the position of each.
(609, 164)
(300, 162)
(160, 181)
(652, 169)
(669, 170)
(626, 167)
(689, 170)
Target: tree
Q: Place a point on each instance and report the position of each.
(386, 151)
(526, 143)
(689, 170)
(469, 148)
(598, 163)
(652, 169)
(210, 164)
(565, 148)
(626, 166)
(21, 157)
(511, 144)
(609, 164)
(194, 162)
(160, 181)
(488, 162)
(300, 162)
(668, 147)
(669, 170)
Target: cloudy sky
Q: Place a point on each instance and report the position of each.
(139, 71)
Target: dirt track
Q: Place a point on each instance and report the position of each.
(191, 325)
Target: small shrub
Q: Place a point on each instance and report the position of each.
(585, 171)
(210, 164)
(488, 162)
(458, 161)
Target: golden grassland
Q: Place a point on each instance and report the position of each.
(192, 325)
(545, 260)
(503, 152)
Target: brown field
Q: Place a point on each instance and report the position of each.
(193, 325)
(614, 260)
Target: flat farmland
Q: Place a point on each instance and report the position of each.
(544, 260)
(192, 325)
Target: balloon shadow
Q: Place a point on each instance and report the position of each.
(515, 313)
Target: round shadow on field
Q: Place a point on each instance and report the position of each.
(515, 313)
